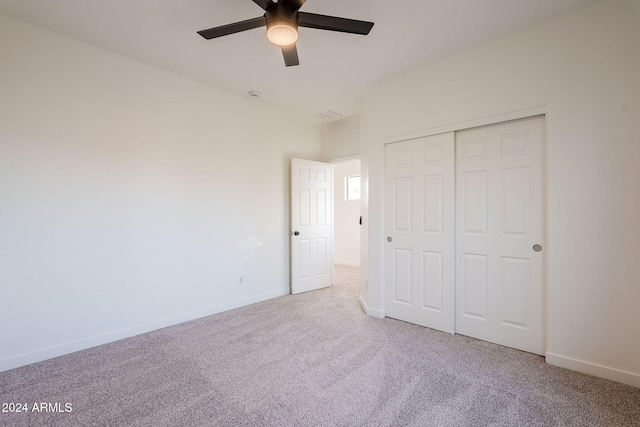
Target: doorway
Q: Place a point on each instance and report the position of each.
(325, 221)
(346, 212)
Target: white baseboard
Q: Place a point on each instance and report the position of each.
(370, 311)
(347, 263)
(71, 347)
(594, 369)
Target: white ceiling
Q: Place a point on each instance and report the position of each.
(335, 68)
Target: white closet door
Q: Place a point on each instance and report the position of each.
(499, 220)
(419, 226)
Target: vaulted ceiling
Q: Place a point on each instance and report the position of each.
(335, 68)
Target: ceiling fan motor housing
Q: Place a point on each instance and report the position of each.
(282, 12)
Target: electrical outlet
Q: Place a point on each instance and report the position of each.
(240, 280)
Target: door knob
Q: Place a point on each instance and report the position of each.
(537, 247)
(296, 233)
(389, 239)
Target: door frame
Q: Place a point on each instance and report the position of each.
(455, 127)
(332, 164)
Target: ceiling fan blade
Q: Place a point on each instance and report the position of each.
(236, 27)
(333, 23)
(296, 4)
(290, 54)
(263, 3)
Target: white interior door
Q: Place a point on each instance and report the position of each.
(499, 275)
(419, 225)
(311, 248)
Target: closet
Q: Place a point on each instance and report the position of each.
(464, 229)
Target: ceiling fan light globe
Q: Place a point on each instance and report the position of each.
(282, 34)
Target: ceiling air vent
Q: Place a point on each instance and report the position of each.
(329, 115)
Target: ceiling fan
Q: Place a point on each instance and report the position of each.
(282, 19)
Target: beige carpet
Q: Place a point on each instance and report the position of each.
(312, 359)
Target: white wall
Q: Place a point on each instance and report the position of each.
(341, 138)
(584, 70)
(346, 216)
(130, 198)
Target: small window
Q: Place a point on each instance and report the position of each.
(352, 188)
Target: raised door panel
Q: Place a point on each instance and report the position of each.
(517, 282)
(402, 269)
(515, 143)
(474, 286)
(304, 248)
(321, 256)
(433, 155)
(432, 280)
(475, 206)
(432, 203)
(402, 204)
(402, 159)
(304, 209)
(321, 207)
(473, 149)
(517, 199)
